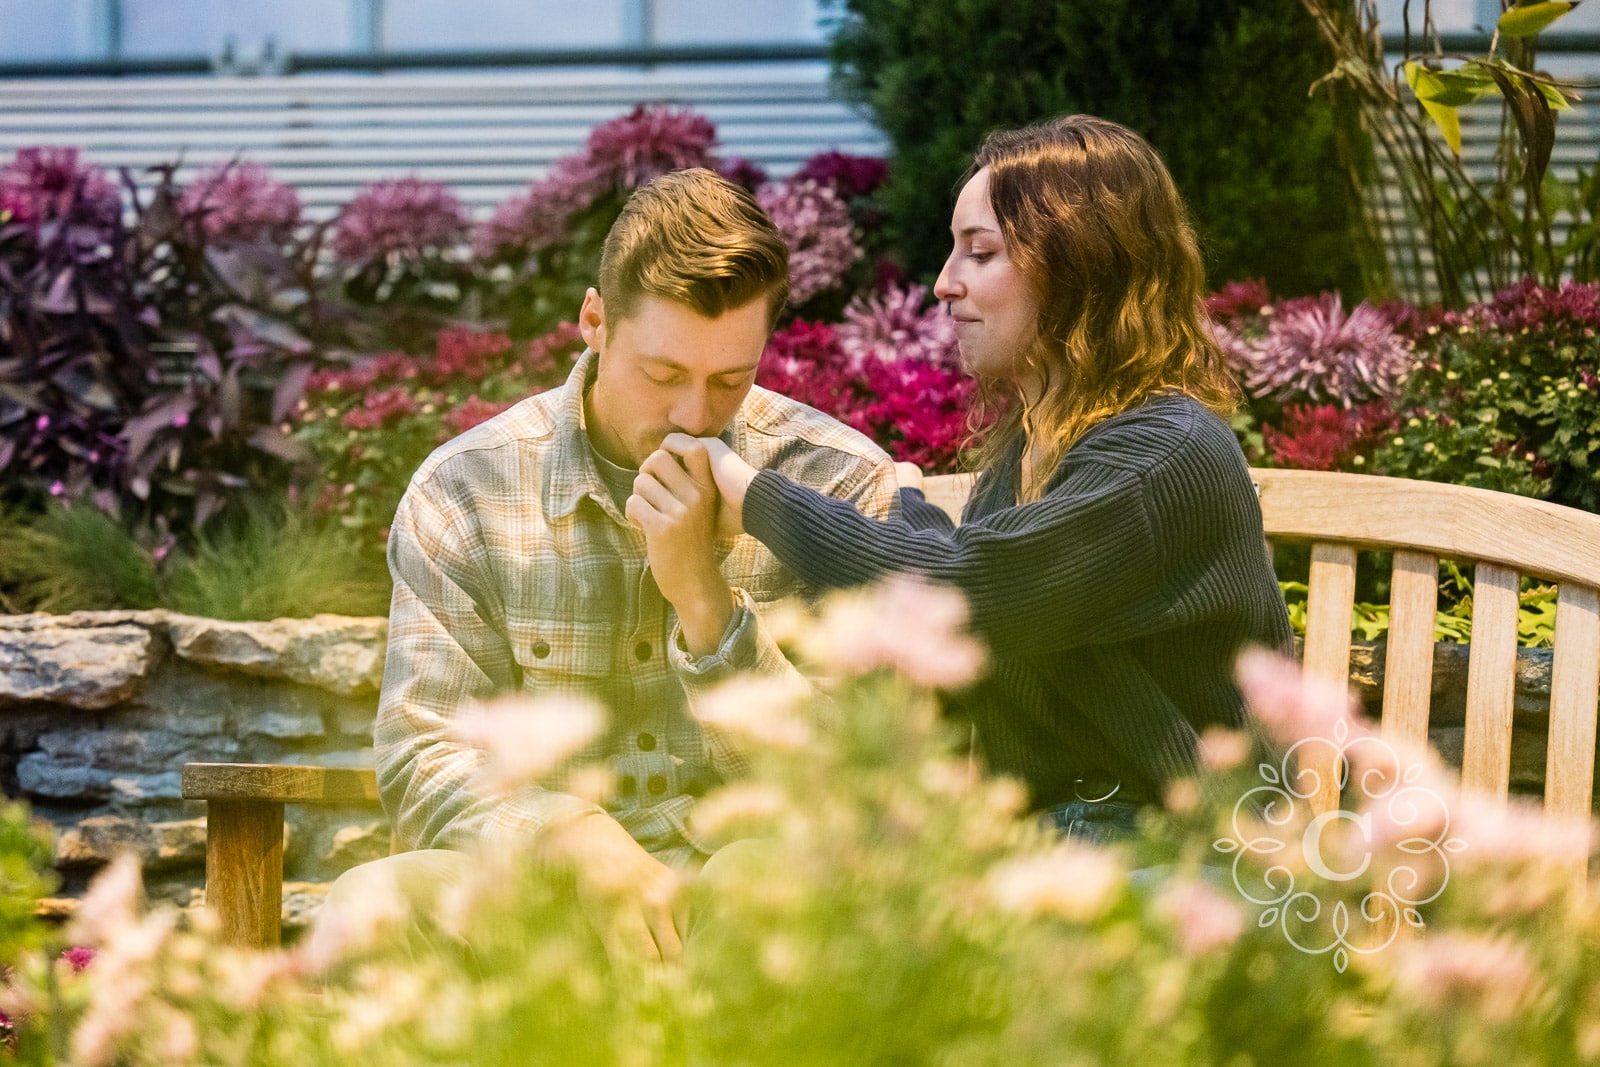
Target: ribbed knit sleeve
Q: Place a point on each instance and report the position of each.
(1079, 566)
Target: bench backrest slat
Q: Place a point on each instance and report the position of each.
(1408, 658)
(1574, 688)
(1331, 597)
(1491, 680)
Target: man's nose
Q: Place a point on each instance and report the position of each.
(692, 414)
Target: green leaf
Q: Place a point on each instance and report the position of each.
(1428, 86)
(1529, 19)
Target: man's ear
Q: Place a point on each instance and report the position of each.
(592, 320)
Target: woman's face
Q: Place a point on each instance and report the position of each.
(993, 305)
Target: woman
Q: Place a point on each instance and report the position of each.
(1112, 547)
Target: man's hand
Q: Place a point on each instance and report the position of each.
(731, 473)
(675, 504)
(629, 897)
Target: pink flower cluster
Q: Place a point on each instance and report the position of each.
(1239, 300)
(466, 354)
(1570, 311)
(1326, 437)
(619, 156)
(915, 408)
(893, 325)
(1313, 351)
(242, 202)
(382, 408)
(816, 226)
(43, 185)
(402, 218)
(849, 176)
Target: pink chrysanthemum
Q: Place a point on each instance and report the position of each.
(1238, 300)
(44, 184)
(816, 226)
(893, 324)
(849, 176)
(242, 202)
(649, 141)
(1313, 351)
(403, 218)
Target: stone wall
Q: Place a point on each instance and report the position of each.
(100, 710)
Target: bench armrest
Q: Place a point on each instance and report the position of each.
(244, 835)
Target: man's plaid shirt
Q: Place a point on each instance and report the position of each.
(514, 569)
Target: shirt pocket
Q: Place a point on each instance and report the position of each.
(570, 655)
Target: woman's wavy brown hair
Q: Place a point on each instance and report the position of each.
(1095, 224)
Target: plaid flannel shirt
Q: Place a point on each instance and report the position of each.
(514, 570)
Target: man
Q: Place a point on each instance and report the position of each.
(554, 550)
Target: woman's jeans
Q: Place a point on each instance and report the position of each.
(1103, 822)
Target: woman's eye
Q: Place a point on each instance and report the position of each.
(980, 257)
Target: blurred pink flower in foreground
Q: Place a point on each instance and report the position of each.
(904, 624)
(1078, 883)
(1205, 920)
(1491, 974)
(524, 739)
(1292, 705)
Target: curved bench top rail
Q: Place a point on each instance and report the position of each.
(1531, 536)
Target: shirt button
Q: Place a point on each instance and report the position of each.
(642, 650)
(647, 742)
(627, 785)
(541, 649)
(657, 785)
(695, 787)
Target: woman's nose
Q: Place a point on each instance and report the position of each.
(946, 288)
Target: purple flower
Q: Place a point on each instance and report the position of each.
(402, 218)
(1314, 352)
(537, 219)
(45, 184)
(242, 202)
(816, 226)
(649, 141)
(742, 171)
(1239, 300)
(892, 325)
(80, 956)
(849, 176)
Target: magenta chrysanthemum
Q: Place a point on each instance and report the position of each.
(649, 141)
(849, 176)
(1314, 352)
(242, 202)
(402, 218)
(43, 184)
(816, 226)
(893, 325)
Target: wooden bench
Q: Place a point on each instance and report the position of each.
(1339, 514)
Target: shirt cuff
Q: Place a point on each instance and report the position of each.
(737, 651)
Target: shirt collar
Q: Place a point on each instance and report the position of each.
(570, 474)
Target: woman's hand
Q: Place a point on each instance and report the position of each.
(732, 475)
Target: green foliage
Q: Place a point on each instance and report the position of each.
(940, 74)
(887, 905)
(273, 562)
(72, 559)
(262, 561)
(1503, 407)
(1536, 612)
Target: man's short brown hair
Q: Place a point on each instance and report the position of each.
(698, 240)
